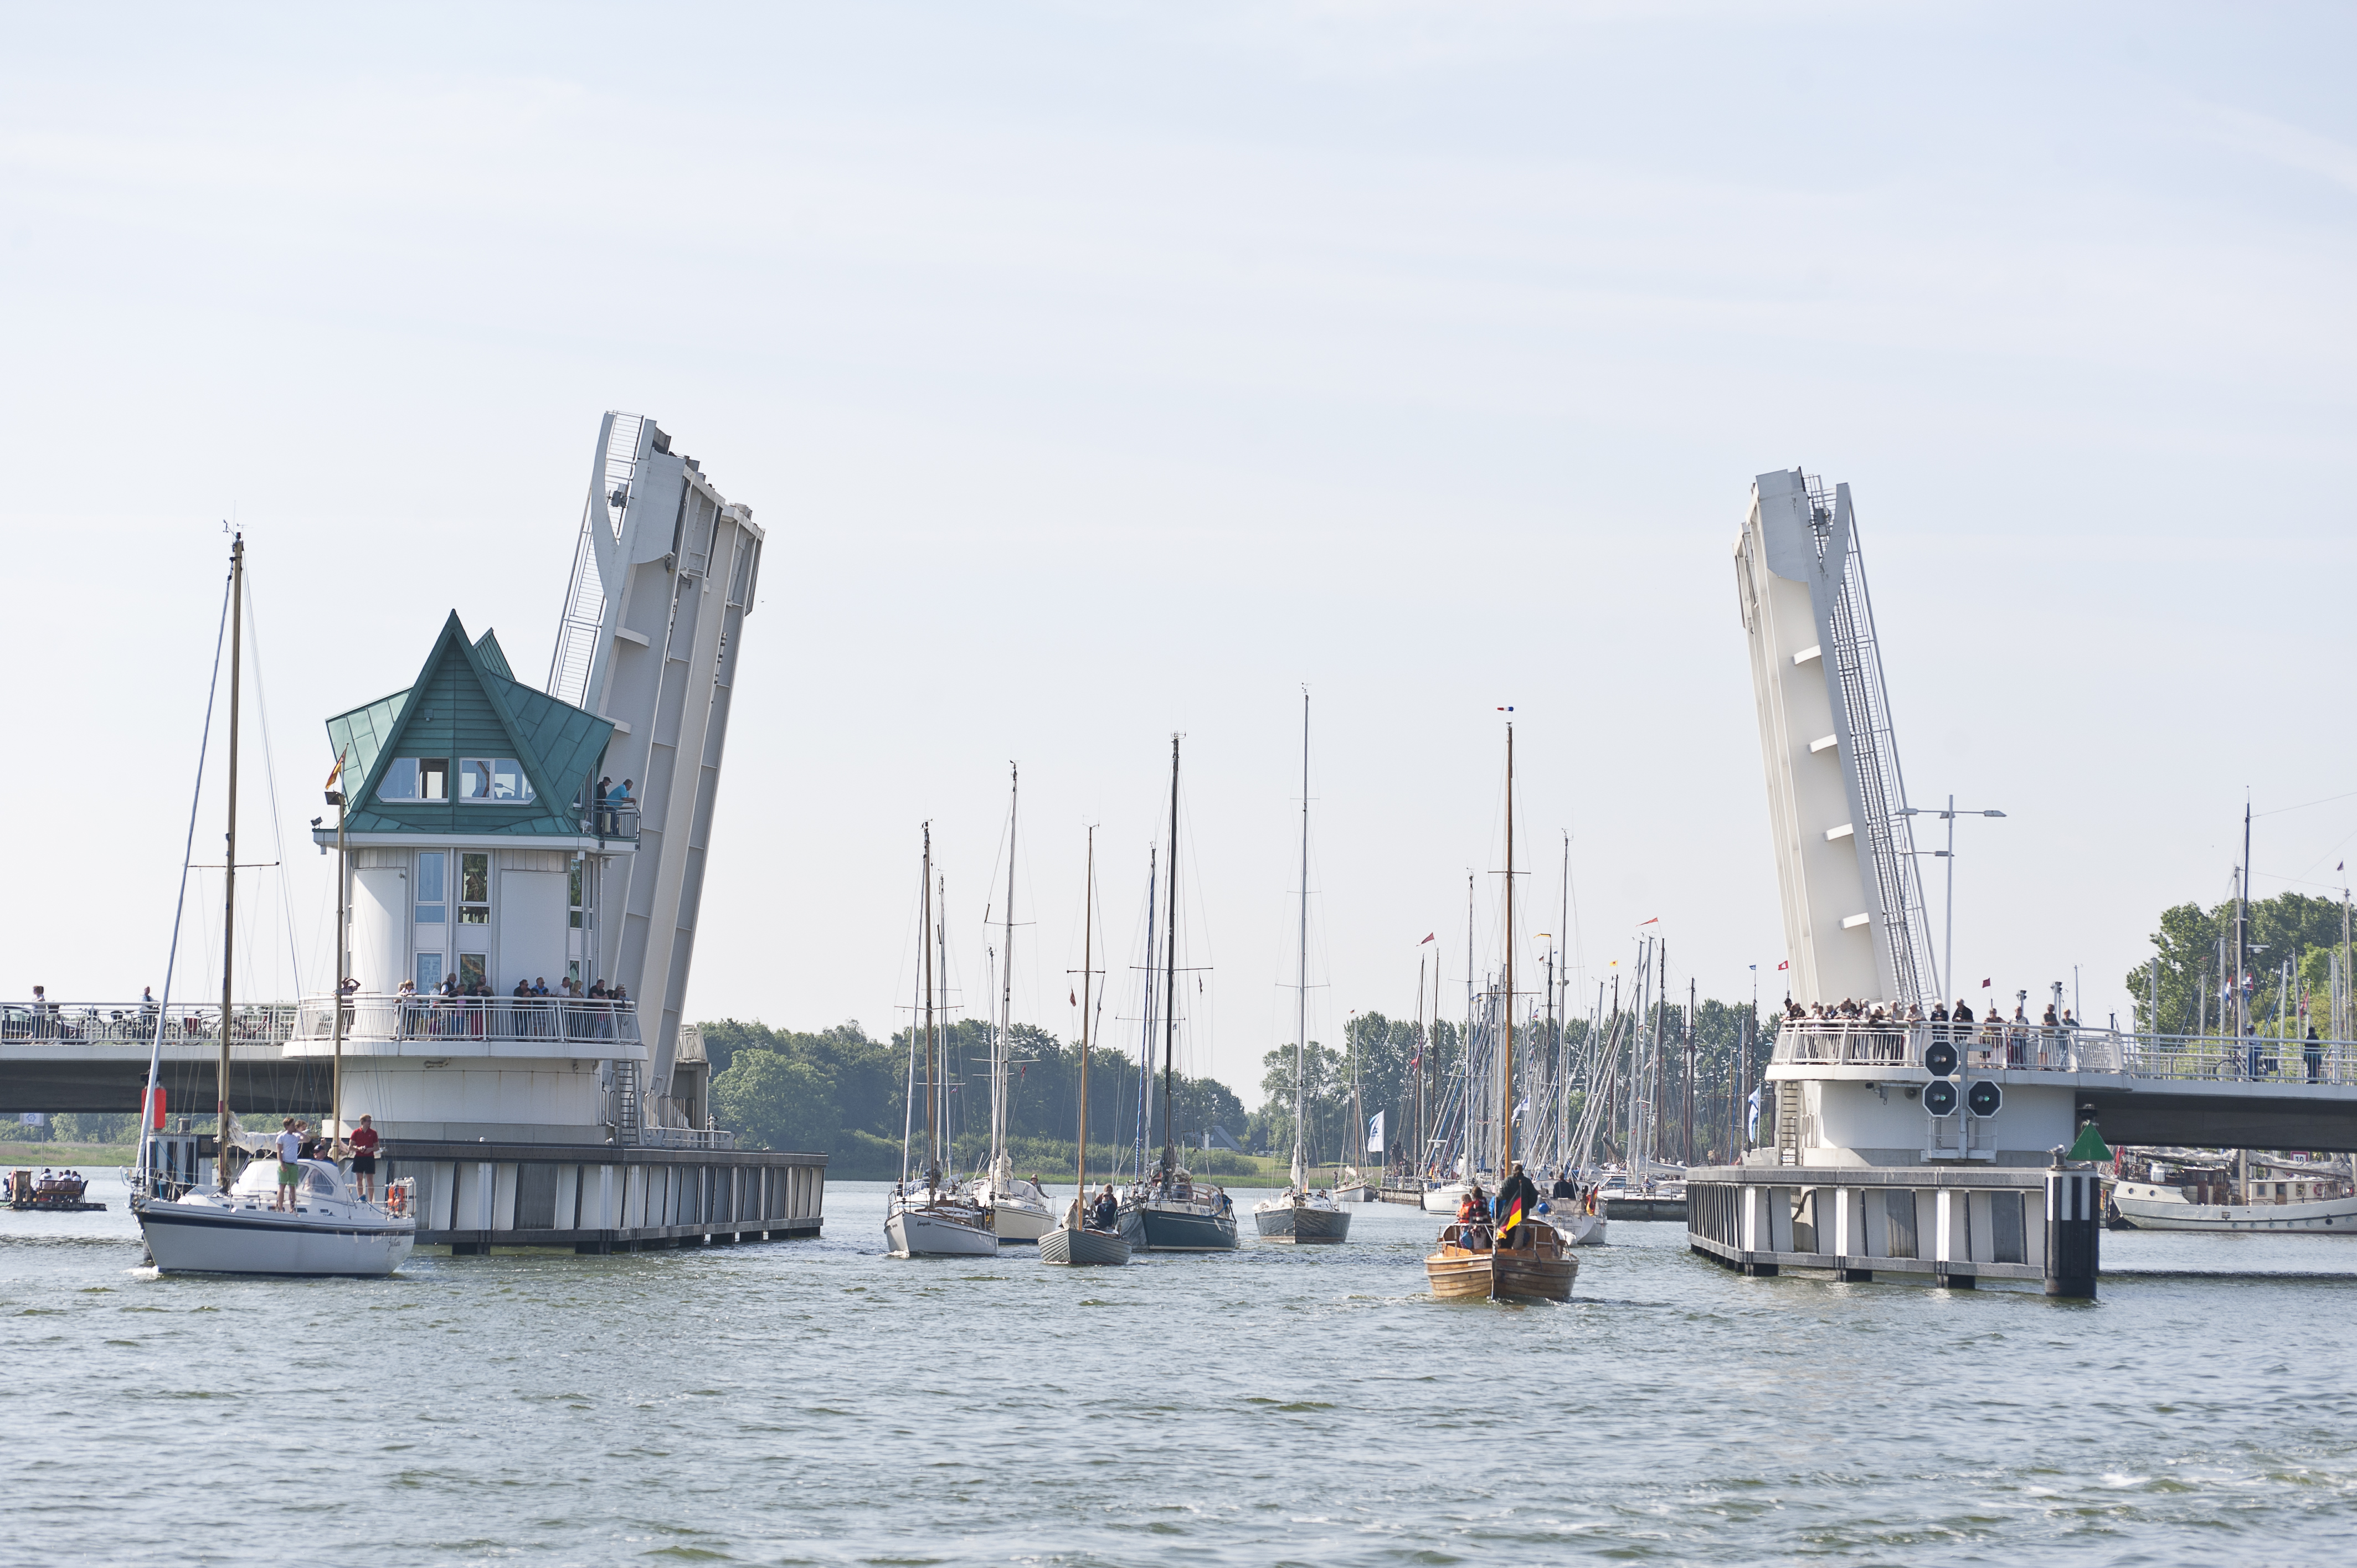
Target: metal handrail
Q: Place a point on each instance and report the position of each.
(134, 1023)
(493, 1019)
(2001, 1046)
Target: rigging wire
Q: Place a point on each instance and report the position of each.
(270, 773)
(187, 854)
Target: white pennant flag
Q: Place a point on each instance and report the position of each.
(1375, 1133)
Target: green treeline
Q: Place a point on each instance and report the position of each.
(2196, 949)
(1385, 1052)
(844, 1093)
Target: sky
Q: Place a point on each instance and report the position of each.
(1107, 372)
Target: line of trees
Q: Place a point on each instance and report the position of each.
(2196, 950)
(842, 1092)
(1388, 1055)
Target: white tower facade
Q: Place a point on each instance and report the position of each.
(663, 575)
(1855, 925)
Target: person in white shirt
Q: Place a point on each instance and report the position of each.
(290, 1165)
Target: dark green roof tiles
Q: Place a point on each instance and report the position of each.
(465, 703)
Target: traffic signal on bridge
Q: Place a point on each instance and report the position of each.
(1940, 1060)
(1985, 1098)
(1940, 1097)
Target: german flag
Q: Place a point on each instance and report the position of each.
(1512, 1216)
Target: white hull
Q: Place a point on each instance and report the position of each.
(2164, 1209)
(1577, 1228)
(921, 1233)
(1358, 1192)
(328, 1232)
(1445, 1199)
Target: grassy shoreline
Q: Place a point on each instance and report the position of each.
(75, 1156)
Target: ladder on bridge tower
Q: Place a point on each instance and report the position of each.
(1788, 1122)
(627, 1103)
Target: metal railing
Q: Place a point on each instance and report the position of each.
(134, 1023)
(490, 1019)
(1999, 1046)
(686, 1138)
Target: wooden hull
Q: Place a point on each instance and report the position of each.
(1537, 1269)
(1058, 1245)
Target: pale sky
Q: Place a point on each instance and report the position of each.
(1104, 370)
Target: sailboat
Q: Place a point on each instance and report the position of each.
(1302, 1214)
(239, 1228)
(1168, 1210)
(926, 1218)
(1074, 1240)
(1020, 1212)
(1517, 1257)
(1351, 1184)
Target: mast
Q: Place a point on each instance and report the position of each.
(1088, 912)
(229, 876)
(998, 1105)
(932, 1123)
(1506, 1044)
(2242, 899)
(1416, 1088)
(1145, 1047)
(1301, 972)
(1170, 977)
(1472, 1121)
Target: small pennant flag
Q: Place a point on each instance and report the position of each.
(334, 773)
(1984, 986)
(1654, 921)
(1786, 964)
(1427, 936)
(1075, 997)
(1507, 709)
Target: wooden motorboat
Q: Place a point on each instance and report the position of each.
(1532, 1264)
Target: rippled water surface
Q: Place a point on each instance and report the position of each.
(819, 1402)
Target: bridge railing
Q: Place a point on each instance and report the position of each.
(134, 1023)
(504, 1020)
(2002, 1046)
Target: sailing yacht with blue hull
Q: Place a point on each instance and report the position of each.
(1169, 1210)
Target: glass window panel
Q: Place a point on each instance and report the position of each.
(470, 970)
(474, 779)
(429, 914)
(433, 779)
(473, 878)
(429, 971)
(508, 780)
(400, 781)
(429, 876)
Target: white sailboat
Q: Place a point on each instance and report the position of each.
(927, 1218)
(1085, 1236)
(1019, 1211)
(1301, 1214)
(325, 1227)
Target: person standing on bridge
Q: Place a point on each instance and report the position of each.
(2312, 1050)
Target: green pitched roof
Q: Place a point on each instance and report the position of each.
(465, 703)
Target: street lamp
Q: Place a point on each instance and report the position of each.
(1948, 963)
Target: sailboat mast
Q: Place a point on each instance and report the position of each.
(1006, 988)
(1088, 915)
(1506, 1045)
(1301, 970)
(229, 874)
(932, 1125)
(1171, 975)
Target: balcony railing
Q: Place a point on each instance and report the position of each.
(500, 1020)
(2001, 1046)
(609, 818)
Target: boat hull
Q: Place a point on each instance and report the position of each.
(1577, 1228)
(1153, 1228)
(1537, 1269)
(2143, 1207)
(1079, 1248)
(926, 1233)
(1301, 1224)
(1443, 1199)
(203, 1238)
(1359, 1192)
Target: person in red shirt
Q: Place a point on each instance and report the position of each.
(364, 1142)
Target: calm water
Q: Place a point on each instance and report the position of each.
(819, 1402)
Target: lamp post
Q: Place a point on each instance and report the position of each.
(1948, 963)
